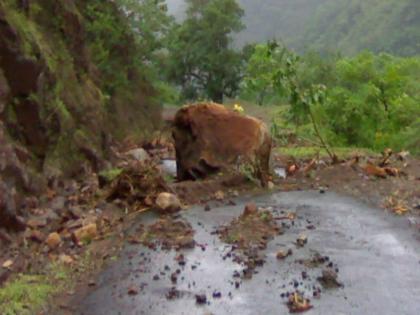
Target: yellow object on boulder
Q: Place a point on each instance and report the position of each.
(238, 108)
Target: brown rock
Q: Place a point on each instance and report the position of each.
(133, 291)
(302, 240)
(53, 240)
(37, 236)
(373, 170)
(36, 223)
(210, 138)
(168, 202)
(219, 195)
(8, 264)
(329, 279)
(282, 254)
(250, 208)
(85, 233)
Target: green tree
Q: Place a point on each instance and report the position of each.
(203, 61)
(126, 38)
(262, 68)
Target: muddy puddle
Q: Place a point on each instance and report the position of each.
(373, 257)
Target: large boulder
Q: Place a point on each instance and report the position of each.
(209, 138)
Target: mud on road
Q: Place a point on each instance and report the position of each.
(376, 258)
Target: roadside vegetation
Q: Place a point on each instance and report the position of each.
(27, 293)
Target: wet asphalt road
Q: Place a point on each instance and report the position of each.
(378, 256)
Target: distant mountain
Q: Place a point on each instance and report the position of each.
(348, 26)
(354, 25)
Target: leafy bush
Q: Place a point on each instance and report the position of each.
(369, 100)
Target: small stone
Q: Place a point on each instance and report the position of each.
(329, 279)
(217, 294)
(7, 264)
(282, 254)
(201, 299)
(168, 202)
(53, 240)
(270, 185)
(133, 291)
(219, 195)
(85, 233)
(250, 208)
(174, 277)
(207, 208)
(302, 240)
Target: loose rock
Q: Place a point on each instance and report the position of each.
(168, 202)
(53, 240)
(201, 299)
(85, 233)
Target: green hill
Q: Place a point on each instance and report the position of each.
(345, 25)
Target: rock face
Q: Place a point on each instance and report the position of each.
(209, 138)
(54, 118)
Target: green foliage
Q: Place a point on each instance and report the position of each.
(126, 39)
(373, 101)
(23, 294)
(262, 68)
(26, 294)
(111, 174)
(368, 100)
(202, 61)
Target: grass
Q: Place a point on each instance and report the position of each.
(310, 152)
(27, 294)
(111, 174)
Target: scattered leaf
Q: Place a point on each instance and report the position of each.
(298, 304)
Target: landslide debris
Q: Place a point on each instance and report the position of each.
(169, 233)
(138, 184)
(249, 234)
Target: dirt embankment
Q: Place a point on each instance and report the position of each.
(390, 181)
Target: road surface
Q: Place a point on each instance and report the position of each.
(378, 256)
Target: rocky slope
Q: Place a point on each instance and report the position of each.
(58, 113)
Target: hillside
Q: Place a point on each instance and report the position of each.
(378, 25)
(67, 88)
(345, 25)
